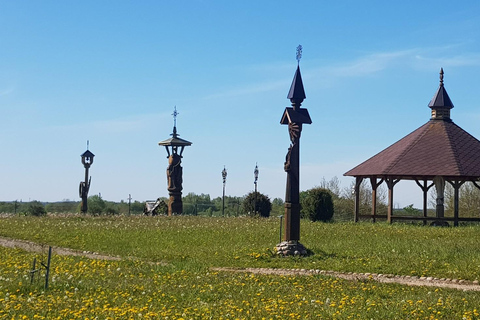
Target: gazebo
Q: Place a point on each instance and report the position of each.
(437, 152)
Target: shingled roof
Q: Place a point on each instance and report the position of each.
(438, 148)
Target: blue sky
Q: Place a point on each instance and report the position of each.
(112, 72)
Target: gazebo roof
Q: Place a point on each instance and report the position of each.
(438, 148)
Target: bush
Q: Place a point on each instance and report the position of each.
(36, 208)
(316, 204)
(263, 205)
(96, 205)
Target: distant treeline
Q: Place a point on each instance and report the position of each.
(203, 204)
(97, 204)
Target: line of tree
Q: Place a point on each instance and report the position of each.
(314, 202)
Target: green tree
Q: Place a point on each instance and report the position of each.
(278, 207)
(257, 204)
(197, 204)
(36, 208)
(96, 205)
(316, 204)
(136, 207)
(7, 207)
(410, 210)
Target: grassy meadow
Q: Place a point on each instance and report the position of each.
(165, 271)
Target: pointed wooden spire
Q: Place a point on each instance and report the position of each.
(297, 92)
(296, 95)
(441, 103)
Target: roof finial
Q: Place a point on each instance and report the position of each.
(175, 114)
(441, 77)
(299, 53)
(87, 144)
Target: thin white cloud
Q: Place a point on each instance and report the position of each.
(7, 91)
(366, 65)
(445, 61)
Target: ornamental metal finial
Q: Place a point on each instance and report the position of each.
(87, 144)
(299, 53)
(441, 76)
(175, 114)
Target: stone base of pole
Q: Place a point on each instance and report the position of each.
(291, 248)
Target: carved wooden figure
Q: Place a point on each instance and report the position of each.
(174, 169)
(87, 160)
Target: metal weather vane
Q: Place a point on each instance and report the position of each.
(175, 114)
(299, 53)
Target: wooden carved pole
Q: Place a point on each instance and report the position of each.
(292, 193)
(175, 179)
(87, 160)
(294, 117)
(174, 147)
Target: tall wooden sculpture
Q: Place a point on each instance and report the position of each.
(294, 117)
(174, 169)
(87, 160)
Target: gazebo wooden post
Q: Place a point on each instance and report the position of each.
(358, 182)
(425, 199)
(391, 182)
(375, 185)
(476, 185)
(455, 206)
(373, 182)
(456, 187)
(425, 189)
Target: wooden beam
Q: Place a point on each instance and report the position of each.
(375, 184)
(456, 187)
(475, 184)
(391, 182)
(425, 187)
(358, 182)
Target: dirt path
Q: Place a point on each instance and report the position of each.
(352, 276)
(384, 278)
(35, 247)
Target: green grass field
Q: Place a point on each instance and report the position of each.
(181, 285)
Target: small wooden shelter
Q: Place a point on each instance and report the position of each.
(437, 152)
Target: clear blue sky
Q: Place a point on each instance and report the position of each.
(112, 71)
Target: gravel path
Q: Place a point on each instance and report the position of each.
(35, 247)
(352, 276)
